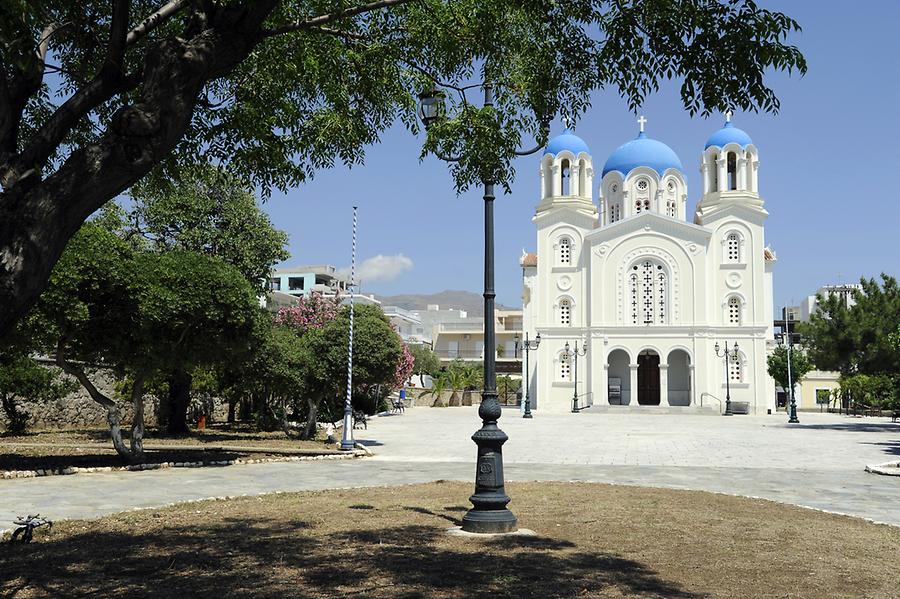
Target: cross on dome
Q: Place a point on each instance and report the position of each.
(641, 121)
(728, 114)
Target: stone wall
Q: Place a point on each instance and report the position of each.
(78, 410)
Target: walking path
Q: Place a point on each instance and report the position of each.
(817, 464)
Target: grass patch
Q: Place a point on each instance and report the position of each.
(595, 541)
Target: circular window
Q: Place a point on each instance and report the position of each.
(671, 185)
(615, 188)
(642, 184)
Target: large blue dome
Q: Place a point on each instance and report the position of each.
(728, 134)
(566, 141)
(642, 151)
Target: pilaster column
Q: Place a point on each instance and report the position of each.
(743, 174)
(633, 381)
(723, 174)
(692, 393)
(663, 384)
(603, 386)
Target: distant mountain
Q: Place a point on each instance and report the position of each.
(473, 303)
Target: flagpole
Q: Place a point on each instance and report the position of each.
(347, 437)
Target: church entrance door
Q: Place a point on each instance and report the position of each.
(648, 379)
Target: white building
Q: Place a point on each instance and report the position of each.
(650, 293)
(845, 292)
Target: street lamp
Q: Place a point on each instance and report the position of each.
(528, 346)
(575, 352)
(792, 412)
(489, 514)
(728, 355)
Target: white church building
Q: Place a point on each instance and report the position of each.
(647, 292)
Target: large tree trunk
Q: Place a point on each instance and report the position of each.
(133, 454)
(38, 217)
(310, 431)
(17, 422)
(232, 408)
(177, 403)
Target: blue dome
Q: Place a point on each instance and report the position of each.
(566, 141)
(642, 151)
(728, 134)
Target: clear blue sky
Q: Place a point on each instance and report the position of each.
(827, 174)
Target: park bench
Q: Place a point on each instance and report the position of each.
(398, 406)
(25, 527)
(895, 415)
(360, 420)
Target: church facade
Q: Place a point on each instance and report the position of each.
(650, 299)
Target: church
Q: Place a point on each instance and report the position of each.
(649, 299)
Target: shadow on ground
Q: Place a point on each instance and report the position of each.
(250, 558)
(856, 427)
(16, 461)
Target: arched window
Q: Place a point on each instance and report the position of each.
(732, 171)
(736, 370)
(565, 367)
(565, 251)
(733, 247)
(564, 172)
(713, 172)
(565, 311)
(734, 310)
(649, 288)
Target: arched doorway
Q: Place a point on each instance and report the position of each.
(679, 378)
(619, 377)
(648, 378)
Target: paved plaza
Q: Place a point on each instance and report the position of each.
(818, 463)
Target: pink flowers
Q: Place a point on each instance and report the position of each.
(313, 312)
(404, 366)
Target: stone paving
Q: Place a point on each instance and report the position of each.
(817, 464)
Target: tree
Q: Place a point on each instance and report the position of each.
(275, 89)
(206, 211)
(23, 378)
(777, 363)
(856, 339)
(209, 211)
(438, 386)
(139, 314)
(425, 361)
(377, 349)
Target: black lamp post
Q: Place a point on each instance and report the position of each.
(489, 514)
(728, 355)
(575, 352)
(528, 346)
(792, 410)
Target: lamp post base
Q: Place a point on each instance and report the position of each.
(527, 415)
(489, 514)
(793, 415)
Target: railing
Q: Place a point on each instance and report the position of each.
(473, 354)
(714, 397)
(475, 325)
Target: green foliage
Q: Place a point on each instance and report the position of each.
(306, 97)
(857, 339)
(22, 378)
(208, 211)
(425, 361)
(876, 390)
(777, 364)
(376, 350)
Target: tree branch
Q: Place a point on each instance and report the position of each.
(118, 33)
(325, 19)
(165, 12)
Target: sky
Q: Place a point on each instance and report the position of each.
(827, 175)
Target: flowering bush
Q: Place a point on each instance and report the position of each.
(404, 366)
(313, 312)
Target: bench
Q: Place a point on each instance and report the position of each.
(398, 406)
(360, 420)
(895, 415)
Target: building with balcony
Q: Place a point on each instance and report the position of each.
(463, 339)
(303, 280)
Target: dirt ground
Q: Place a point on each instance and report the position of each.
(53, 449)
(594, 541)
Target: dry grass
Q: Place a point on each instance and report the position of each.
(51, 449)
(595, 541)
